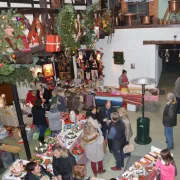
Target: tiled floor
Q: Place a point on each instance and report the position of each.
(156, 132)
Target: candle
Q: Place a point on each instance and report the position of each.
(62, 126)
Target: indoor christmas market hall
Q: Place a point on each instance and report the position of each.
(89, 89)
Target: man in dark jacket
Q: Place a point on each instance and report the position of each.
(169, 120)
(104, 117)
(117, 135)
(63, 162)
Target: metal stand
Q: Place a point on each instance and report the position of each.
(21, 122)
(143, 123)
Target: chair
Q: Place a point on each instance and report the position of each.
(54, 121)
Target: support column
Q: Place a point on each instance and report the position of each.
(21, 122)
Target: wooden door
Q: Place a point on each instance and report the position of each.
(6, 89)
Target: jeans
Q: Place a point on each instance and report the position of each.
(119, 157)
(42, 130)
(94, 168)
(168, 133)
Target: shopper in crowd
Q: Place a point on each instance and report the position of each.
(169, 120)
(73, 102)
(166, 165)
(117, 135)
(93, 147)
(63, 162)
(62, 101)
(123, 80)
(91, 116)
(54, 97)
(39, 118)
(177, 93)
(44, 94)
(54, 117)
(41, 78)
(35, 172)
(31, 97)
(105, 120)
(128, 130)
(79, 173)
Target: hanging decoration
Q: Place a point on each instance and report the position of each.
(53, 43)
(11, 33)
(65, 27)
(80, 27)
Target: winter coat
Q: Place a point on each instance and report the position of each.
(94, 150)
(95, 124)
(170, 115)
(63, 166)
(128, 129)
(39, 118)
(31, 176)
(73, 103)
(177, 88)
(119, 140)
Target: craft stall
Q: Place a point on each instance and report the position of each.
(143, 169)
(70, 136)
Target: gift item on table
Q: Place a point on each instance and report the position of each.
(41, 148)
(3, 133)
(53, 43)
(73, 116)
(78, 150)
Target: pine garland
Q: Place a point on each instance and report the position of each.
(10, 20)
(65, 27)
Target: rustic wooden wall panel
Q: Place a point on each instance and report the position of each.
(123, 6)
(153, 8)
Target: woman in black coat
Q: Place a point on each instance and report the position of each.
(63, 162)
(39, 118)
(35, 172)
(92, 112)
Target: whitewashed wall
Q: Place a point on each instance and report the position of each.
(145, 57)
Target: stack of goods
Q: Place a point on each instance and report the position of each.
(41, 148)
(142, 168)
(78, 150)
(18, 169)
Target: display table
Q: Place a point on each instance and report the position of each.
(9, 117)
(143, 168)
(134, 97)
(12, 149)
(9, 176)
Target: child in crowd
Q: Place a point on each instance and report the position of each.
(166, 166)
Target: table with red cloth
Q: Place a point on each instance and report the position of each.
(135, 99)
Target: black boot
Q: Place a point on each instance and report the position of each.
(41, 139)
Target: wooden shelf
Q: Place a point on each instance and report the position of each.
(31, 10)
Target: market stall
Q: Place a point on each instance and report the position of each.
(144, 168)
(131, 96)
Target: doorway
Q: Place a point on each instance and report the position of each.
(170, 55)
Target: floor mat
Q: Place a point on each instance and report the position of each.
(162, 92)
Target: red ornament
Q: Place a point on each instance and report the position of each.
(1, 64)
(13, 56)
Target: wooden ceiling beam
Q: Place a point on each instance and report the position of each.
(22, 1)
(161, 42)
(31, 10)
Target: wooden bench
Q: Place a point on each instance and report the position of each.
(14, 150)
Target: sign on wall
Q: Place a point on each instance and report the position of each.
(138, 0)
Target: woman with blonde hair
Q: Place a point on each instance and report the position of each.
(63, 162)
(128, 130)
(94, 147)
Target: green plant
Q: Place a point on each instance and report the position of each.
(65, 27)
(20, 76)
